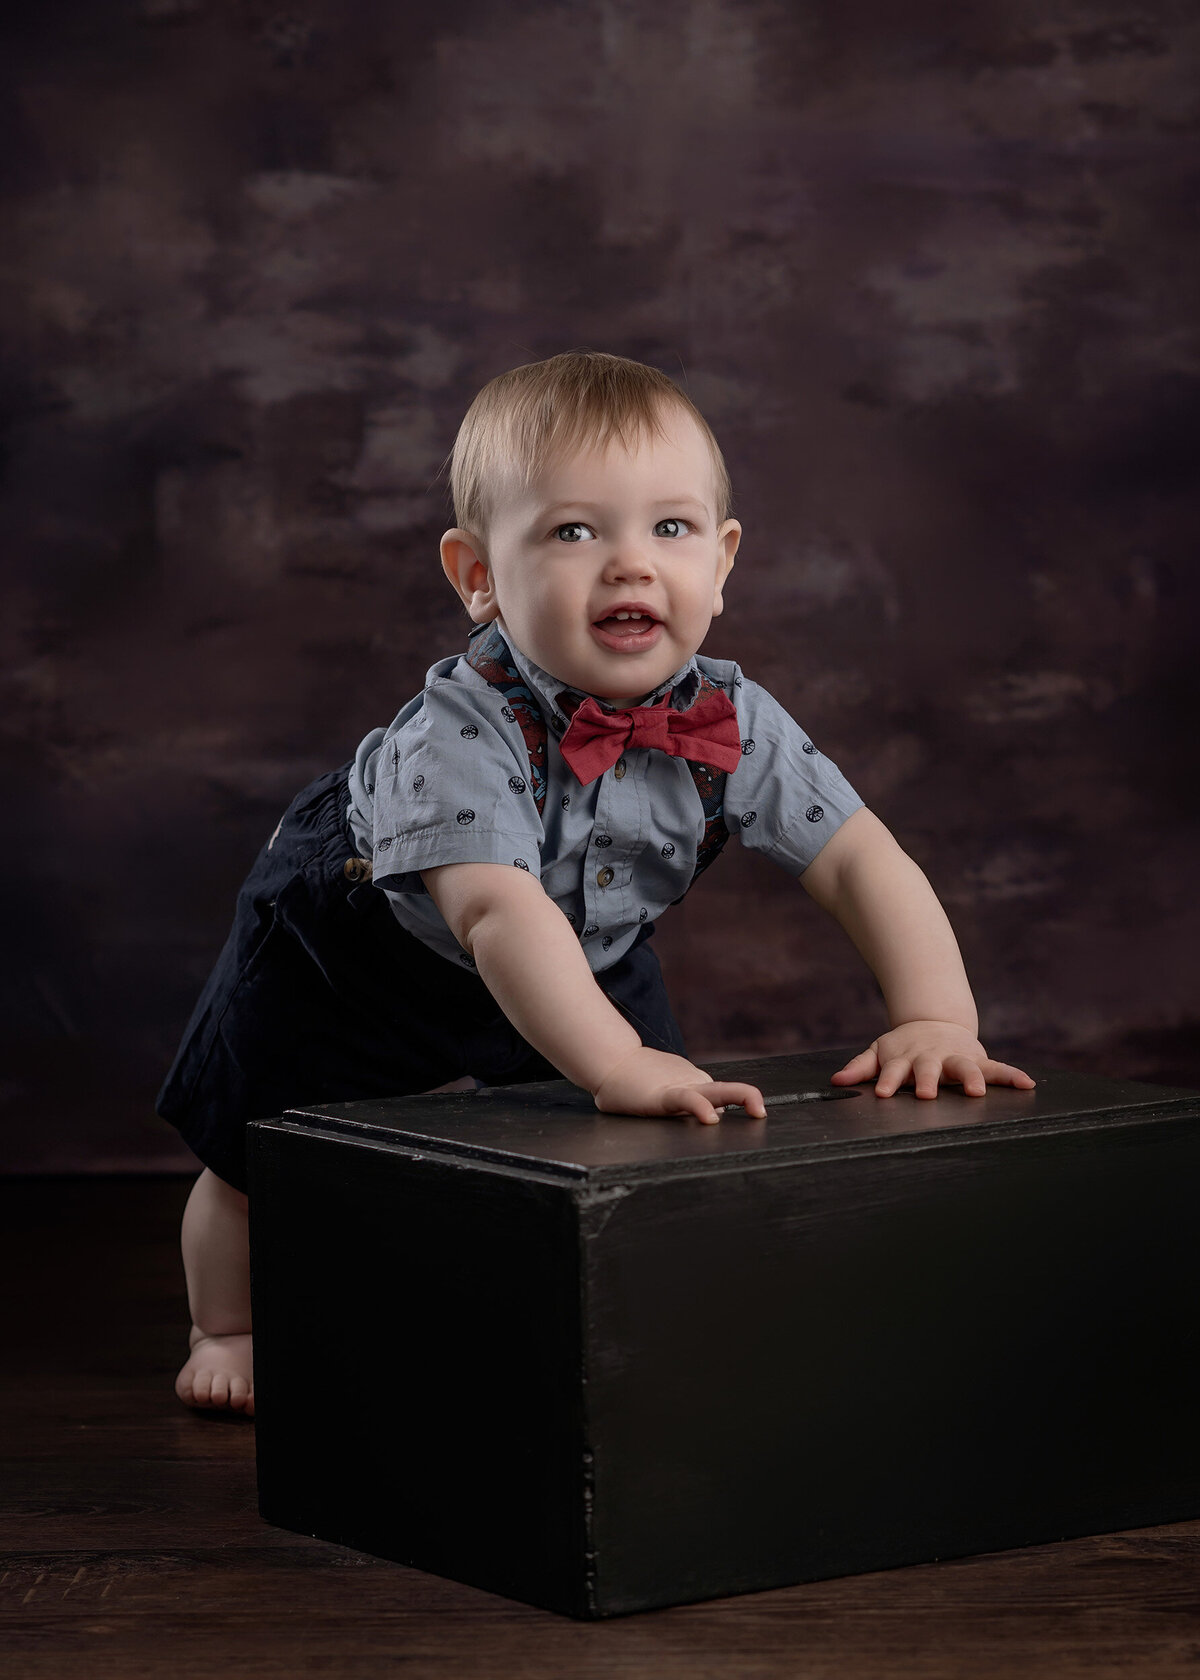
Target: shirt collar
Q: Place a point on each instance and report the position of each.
(558, 700)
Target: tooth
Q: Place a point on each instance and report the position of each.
(621, 615)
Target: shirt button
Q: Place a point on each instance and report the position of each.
(604, 876)
(619, 768)
(356, 869)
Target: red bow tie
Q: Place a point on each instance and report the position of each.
(707, 733)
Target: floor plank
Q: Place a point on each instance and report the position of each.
(131, 1546)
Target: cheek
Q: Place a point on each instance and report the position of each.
(561, 599)
(703, 598)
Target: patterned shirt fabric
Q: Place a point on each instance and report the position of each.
(448, 782)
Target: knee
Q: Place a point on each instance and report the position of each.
(227, 1192)
(215, 1192)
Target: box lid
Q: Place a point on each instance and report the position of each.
(553, 1126)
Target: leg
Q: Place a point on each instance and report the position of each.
(216, 1261)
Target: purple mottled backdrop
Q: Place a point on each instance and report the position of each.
(929, 269)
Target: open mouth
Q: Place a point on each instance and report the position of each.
(627, 627)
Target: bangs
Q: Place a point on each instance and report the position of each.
(580, 400)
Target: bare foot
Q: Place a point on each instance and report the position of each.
(219, 1373)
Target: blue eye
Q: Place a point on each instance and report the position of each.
(574, 532)
(678, 528)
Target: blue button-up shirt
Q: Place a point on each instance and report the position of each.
(448, 782)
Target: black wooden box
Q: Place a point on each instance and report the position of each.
(601, 1364)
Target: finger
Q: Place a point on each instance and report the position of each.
(968, 1072)
(927, 1071)
(688, 1099)
(860, 1068)
(748, 1097)
(892, 1075)
(1000, 1073)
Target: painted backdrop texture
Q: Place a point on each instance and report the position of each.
(929, 269)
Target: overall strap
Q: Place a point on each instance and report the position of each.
(710, 785)
(488, 654)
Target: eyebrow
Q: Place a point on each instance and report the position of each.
(592, 507)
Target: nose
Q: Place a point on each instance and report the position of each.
(629, 561)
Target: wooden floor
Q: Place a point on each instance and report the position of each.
(130, 1543)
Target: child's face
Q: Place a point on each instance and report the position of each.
(597, 533)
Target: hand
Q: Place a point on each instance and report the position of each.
(653, 1082)
(929, 1053)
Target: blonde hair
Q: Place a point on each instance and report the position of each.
(578, 400)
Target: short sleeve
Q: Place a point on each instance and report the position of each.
(785, 799)
(452, 786)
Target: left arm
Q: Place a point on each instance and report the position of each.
(891, 913)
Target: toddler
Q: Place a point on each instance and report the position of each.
(474, 893)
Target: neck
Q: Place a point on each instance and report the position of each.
(603, 699)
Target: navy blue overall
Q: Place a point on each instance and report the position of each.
(321, 996)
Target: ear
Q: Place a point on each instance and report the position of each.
(728, 538)
(464, 561)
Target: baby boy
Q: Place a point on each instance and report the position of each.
(474, 893)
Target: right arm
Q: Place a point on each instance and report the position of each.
(530, 960)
